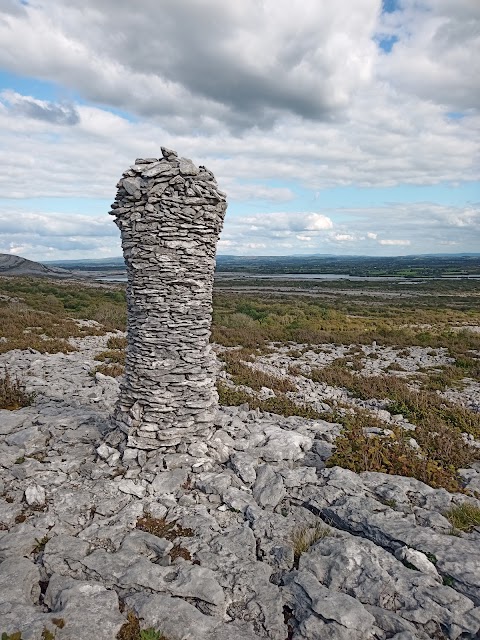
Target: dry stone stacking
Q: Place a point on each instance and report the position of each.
(170, 214)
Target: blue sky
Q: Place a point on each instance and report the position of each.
(333, 129)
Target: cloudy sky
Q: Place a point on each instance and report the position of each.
(335, 127)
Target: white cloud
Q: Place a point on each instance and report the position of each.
(343, 237)
(241, 62)
(394, 243)
(277, 98)
(401, 228)
(292, 221)
(55, 113)
(43, 236)
(438, 40)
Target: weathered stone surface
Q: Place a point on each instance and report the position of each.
(88, 609)
(35, 495)
(372, 575)
(244, 466)
(132, 488)
(19, 581)
(268, 489)
(169, 481)
(324, 613)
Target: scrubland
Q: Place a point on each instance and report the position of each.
(398, 415)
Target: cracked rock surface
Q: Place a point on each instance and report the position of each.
(84, 539)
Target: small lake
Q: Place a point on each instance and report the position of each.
(232, 275)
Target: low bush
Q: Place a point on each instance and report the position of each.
(242, 374)
(163, 529)
(113, 370)
(280, 404)
(435, 464)
(117, 342)
(111, 356)
(13, 394)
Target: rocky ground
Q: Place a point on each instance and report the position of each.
(263, 540)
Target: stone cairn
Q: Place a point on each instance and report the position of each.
(170, 214)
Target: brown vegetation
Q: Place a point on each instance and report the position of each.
(280, 404)
(40, 314)
(243, 374)
(163, 529)
(13, 394)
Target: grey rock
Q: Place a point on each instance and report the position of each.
(349, 506)
(419, 560)
(268, 489)
(170, 615)
(284, 445)
(88, 609)
(168, 481)
(131, 488)
(19, 581)
(131, 185)
(372, 575)
(213, 483)
(11, 420)
(323, 613)
(244, 466)
(64, 555)
(30, 439)
(237, 499)
(168, 395)
(146, 544)
(185, 580)
(21, 541)
(187, 168)
(35, 495)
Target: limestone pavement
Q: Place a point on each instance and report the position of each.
(380, 562)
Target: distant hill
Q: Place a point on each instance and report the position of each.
(16, 266)
(412, 266)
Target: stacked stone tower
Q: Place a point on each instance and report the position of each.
(170, 214)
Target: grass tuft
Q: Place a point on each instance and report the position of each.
(117, 342)
(464, 517)
(303, 539)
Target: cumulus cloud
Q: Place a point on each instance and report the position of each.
(291, 221)
(394, 243)
(54, 113)
(400, 228)
(437, 41)
(343, 237)
(281, 100)
(242, 62)
(41, 235)
(55, 224)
